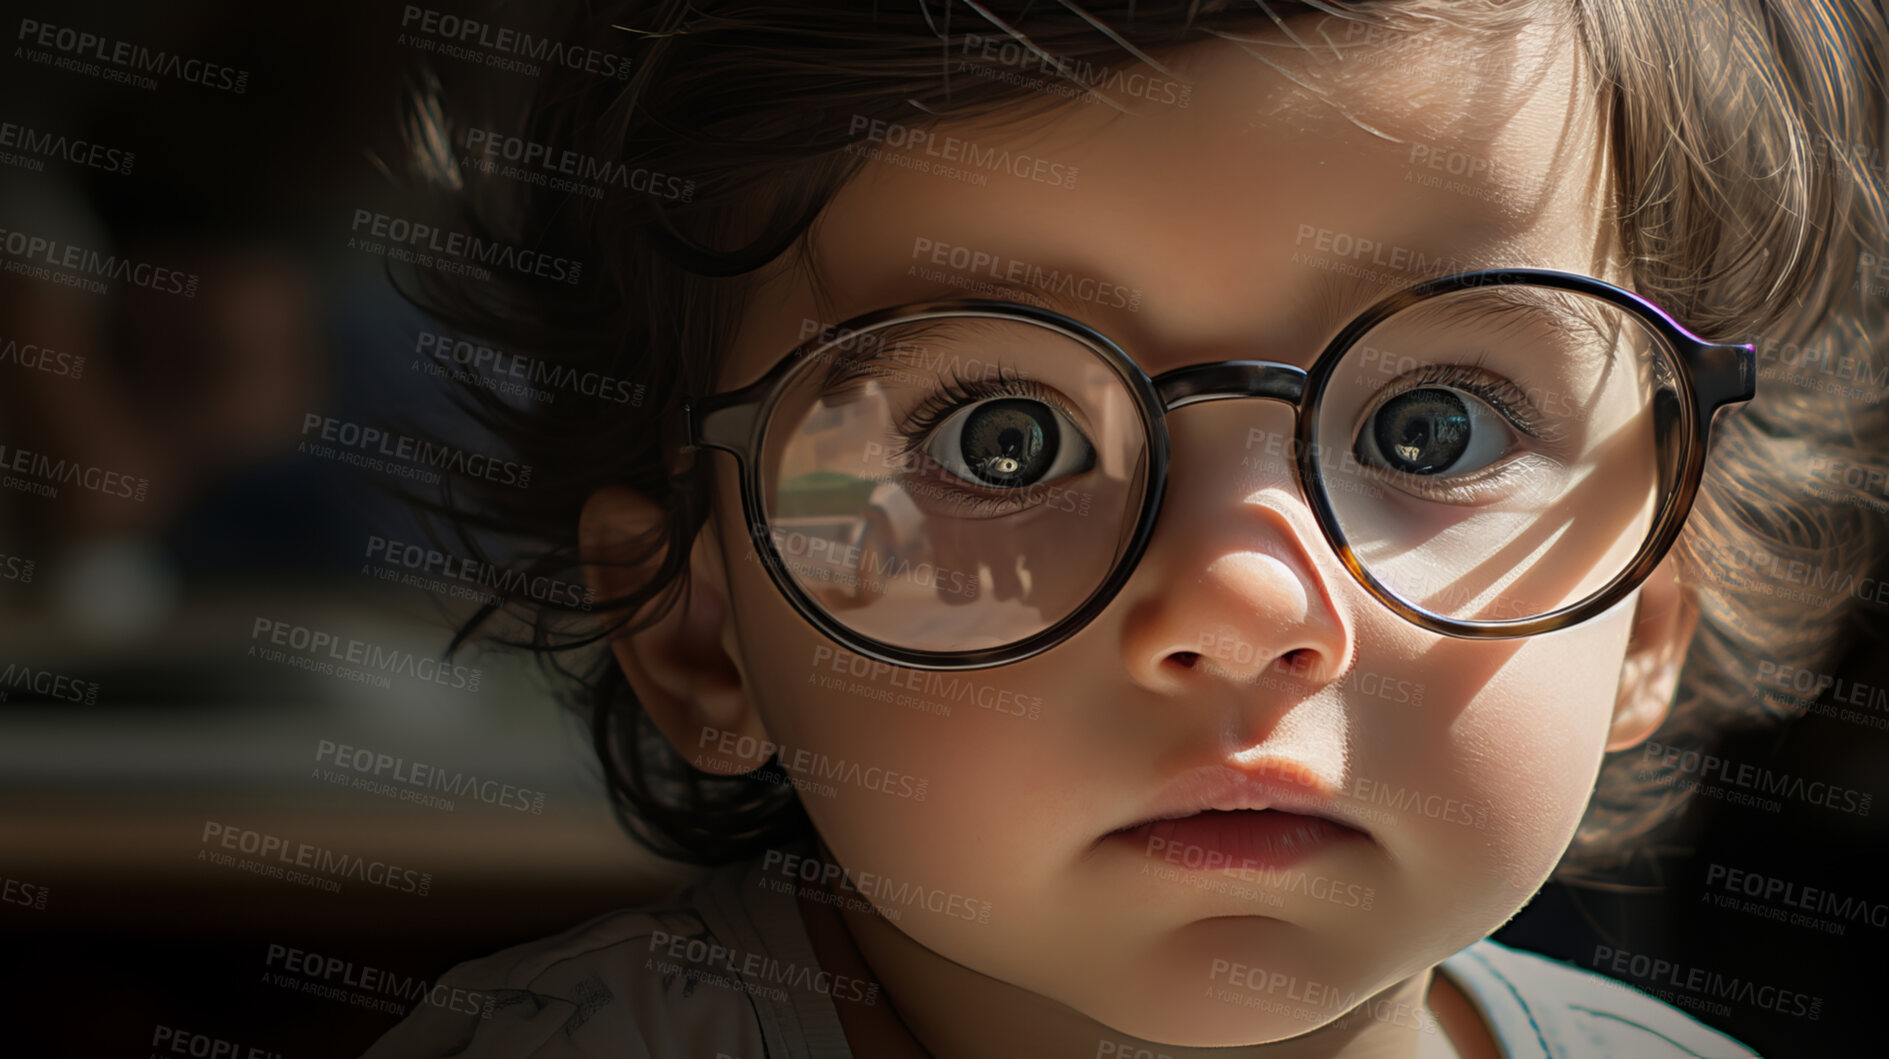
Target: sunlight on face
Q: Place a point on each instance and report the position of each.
(1248, 225)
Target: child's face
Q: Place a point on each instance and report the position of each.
(1467, 763)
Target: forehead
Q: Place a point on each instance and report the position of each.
(1301, 180)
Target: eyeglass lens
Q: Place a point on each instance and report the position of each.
(1495, 453)
(963, 483)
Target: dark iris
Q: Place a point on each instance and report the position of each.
(1422, 431)
(1010, 441)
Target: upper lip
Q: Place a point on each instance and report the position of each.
(1272, 784)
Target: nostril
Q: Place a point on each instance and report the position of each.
(1296, 662)
(1185, 659)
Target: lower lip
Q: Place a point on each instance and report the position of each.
(1216, 841)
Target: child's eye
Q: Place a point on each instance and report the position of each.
(1009, 443)
(1444, 425)
(1433, 430)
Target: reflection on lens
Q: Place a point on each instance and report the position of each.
(960, 483)
(1422, 431)
(1491, 454)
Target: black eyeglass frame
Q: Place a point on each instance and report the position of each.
(1711, 377)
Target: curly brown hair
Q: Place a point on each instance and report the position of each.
(1747, 143)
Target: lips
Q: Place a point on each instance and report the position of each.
(1244, 839)
(1267, 816)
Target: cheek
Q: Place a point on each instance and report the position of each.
(1523, 753)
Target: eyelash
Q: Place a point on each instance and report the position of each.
(951, 396)
(1508, 400)
(1498, 393)
(957, 391)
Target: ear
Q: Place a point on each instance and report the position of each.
(684, 668)
(1663, 626)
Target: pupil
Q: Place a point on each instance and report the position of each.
(1010, 441)
(1423, 431)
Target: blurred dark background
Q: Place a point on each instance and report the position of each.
(135, 715)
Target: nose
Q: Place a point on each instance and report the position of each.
(1231, 585)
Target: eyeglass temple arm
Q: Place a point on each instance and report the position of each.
(1722, 375)
(725, 422)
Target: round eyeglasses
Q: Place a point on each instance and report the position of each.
(966, 483)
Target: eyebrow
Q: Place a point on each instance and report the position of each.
(846, 370)
(1343, 294)
(1337, 297)
(1065, 302)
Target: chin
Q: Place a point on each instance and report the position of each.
(1225, 982)
(1216, 1018)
